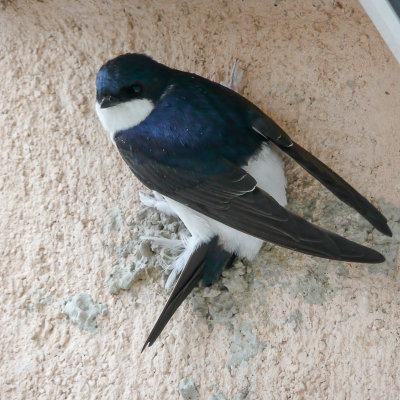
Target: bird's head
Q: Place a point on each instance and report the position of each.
(128, 87)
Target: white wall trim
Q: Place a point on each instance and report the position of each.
(386, 21)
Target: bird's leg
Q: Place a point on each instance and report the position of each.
(156, 201)
(181, 251)
(180, 248)
(171, 244)
(190, 245)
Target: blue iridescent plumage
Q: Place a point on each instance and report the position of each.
(192, 141)
(188, 132)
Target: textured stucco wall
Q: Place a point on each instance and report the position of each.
(286, 326)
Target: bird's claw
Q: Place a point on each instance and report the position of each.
(148, 200)
(157, 201)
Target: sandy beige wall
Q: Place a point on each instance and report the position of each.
(302, 328)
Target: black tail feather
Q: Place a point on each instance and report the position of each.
(188, 279)
(206, 263)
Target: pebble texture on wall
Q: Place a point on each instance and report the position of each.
(284, 326)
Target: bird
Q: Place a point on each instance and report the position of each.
(212, 158)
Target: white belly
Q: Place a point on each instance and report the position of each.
(267, 169)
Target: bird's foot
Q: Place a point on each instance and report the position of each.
(190, 245)
(170, 244)
(157, 201)
(180, 251)
(174, 253)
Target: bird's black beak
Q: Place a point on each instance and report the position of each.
(108, 101)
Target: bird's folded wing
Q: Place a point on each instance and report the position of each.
(234, 199)
(331, 180)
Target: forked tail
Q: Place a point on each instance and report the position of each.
(205, 264)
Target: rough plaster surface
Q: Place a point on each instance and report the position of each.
(83, 311)
(285, 326)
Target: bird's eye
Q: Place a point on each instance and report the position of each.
(136, 89)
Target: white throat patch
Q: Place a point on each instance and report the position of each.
(124, 115)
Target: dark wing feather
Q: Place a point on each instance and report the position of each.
(331, 180)
(206, 263)
(233, 199)
(338, 186)
(188, 279)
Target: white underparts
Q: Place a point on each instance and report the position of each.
(190, 245)
(124, 115)
(267, 169)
